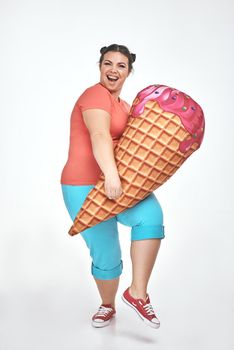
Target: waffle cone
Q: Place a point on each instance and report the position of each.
(147, 155)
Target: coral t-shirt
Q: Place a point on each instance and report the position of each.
(81, 167)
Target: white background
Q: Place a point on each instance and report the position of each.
(49, 55)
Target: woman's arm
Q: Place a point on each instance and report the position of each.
(98, 124)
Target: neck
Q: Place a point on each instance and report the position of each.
(115, 94)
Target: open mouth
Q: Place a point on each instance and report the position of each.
(112, 78)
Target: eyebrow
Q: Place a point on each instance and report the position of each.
(118, 62)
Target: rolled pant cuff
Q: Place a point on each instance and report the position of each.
(147, 232)
(107, 274)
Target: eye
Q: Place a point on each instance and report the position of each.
(107, 63)
(122, 66)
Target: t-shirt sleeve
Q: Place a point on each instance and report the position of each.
(127, 106)
(95, 97)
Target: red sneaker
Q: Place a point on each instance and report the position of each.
(104, 315)
(143, 308)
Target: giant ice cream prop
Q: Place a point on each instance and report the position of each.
(165, 126)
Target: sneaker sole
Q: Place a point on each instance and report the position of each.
(102, 324)
(151, 324)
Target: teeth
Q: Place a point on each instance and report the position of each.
(112, 77)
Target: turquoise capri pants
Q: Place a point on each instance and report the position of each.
(145, 219)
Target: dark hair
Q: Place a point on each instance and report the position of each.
(118, 48)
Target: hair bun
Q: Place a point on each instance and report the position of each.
(103, 49)
(133, 57)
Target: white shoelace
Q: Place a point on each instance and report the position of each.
(103, 311)
(149, 309)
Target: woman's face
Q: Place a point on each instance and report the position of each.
(114, 71)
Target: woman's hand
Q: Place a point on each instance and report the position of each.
(113, 187)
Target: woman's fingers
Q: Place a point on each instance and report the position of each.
(113, 187)
(115, 194)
